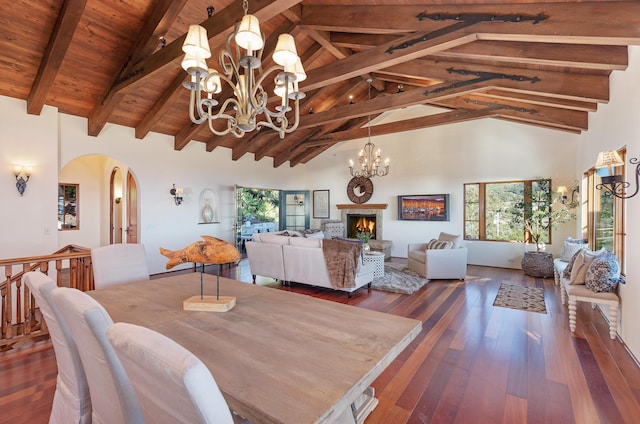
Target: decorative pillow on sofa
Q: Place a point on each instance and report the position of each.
(581, 265)
(570, 247)
(567, 271)
(439, 244)
(455, 239)
(603, 274)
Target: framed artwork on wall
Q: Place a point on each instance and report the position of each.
(423, 207)
(321, 204)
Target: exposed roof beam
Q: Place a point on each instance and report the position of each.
(161, 19)
(65, 26)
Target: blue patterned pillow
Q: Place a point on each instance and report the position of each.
(567, 271)
(603, 274)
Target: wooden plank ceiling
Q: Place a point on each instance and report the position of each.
(543, 64)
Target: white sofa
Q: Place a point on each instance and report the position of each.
(439, 264)
(297, 259)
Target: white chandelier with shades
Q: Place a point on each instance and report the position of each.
(369, 158)
(247, 109)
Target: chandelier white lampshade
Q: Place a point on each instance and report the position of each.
(369, 158)
(246, 110)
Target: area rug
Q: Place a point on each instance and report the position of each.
(529, 299)
(398, 279)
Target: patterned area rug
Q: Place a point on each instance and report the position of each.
(529, 299)
(398, 279)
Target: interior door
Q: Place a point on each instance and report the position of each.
(115, 211)
(132, 209)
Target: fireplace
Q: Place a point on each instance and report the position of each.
(370, 211)
(361, 223)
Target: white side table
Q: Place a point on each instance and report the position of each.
(376, 258)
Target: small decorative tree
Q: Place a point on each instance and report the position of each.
(539, 213)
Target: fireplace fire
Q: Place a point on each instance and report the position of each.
(359, 223)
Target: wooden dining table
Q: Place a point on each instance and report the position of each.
(277, 356)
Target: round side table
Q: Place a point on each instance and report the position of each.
(376, 258)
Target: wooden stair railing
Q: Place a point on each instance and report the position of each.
(20, 316)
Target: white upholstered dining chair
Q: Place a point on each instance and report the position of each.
(119, 264)
(172, 384)
(71, 401)
(113, 399)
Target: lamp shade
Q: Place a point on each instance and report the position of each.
(197, 43)
(248, 35)
(562, 189)
(609, 158)
(285, 53)
(299, 72)
(193, 62)
(281, 89)
(213, 84)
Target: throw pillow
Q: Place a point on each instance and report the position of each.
(581, 265)
(439, 244)
(603, 274)
(455, 239)
(567, 271)
(570, 247)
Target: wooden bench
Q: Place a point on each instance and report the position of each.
(580, 293)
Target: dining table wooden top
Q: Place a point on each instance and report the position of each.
(277, 356)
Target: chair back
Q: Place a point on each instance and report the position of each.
(119, 264)
(71, 401)
(172, 384)
(112, 397)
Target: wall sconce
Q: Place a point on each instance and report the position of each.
(21, 182)
(299, 200)
(562, 194)
(177, 195)
(612, 184)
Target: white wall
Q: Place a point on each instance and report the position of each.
(441, 160)
(28, 140)
(615, 125)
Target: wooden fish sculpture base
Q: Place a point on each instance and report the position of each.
(209, 303)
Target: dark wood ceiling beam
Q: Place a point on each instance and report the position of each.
(374, 59)
(361, 41)
(542, 100)
(161, 107)
(460, 115)
(559, 118)
(565, 55)
(54, 54)
(218, 28)
(538, 124)
(243, 145)
(162, 17)
(616, 23)
(556, 84)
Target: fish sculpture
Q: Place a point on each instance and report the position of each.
(210, 251)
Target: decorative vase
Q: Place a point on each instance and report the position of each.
(366, 247)
(207, 212)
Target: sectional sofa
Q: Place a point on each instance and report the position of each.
(292, 257)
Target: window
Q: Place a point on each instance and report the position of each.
(498, 211)
(604, 223)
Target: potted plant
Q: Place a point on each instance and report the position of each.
(539, 214)
(364, 237)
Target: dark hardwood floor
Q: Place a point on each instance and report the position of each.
(472, 362)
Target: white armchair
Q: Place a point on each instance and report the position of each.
(439, 264)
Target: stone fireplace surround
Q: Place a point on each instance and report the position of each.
(376, 209)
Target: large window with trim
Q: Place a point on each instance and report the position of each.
(496, 210)
(603, 223)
